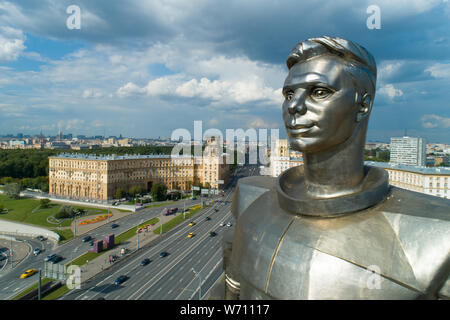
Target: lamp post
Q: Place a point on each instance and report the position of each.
(197, 274)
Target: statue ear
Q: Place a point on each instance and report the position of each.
(365, 107)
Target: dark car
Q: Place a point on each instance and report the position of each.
(145, 262)
(86, 239)
(208, 218)
(91, 243)
(56, 259)
(212, 234)
(120, 279)
(114, 226)
(50, 257)
(41, 238)
(163, 254)
(194, 198)
(216, 210)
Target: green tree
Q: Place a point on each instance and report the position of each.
(119, 194)
(134, 190)
(12, 190)
(66, 211)
(159, 192)
(45, 203)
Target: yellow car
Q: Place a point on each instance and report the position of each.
(190, 234)
(28, 273)
(192, 223)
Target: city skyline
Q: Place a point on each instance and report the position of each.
(134, 73)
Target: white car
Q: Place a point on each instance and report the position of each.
(222, 224)
(229, 224)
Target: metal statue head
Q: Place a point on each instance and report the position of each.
(328, 92)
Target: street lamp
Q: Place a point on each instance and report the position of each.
(197, 274)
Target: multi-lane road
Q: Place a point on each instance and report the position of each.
(11, 284)
(168, 278)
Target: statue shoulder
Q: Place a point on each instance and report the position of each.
(248, 190)
(421, 224)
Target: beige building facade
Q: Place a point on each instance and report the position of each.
(432, 181)
(81, 176)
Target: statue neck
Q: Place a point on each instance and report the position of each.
(337, 171)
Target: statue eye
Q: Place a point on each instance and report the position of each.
(320, 93)
(289, 95)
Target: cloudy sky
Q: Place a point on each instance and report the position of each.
(145, 68)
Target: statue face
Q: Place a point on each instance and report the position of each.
(319, 110)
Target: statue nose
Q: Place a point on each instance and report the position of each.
(297, 103)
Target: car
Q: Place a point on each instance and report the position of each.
(190, 234)
(86, 238)
(229, 224)
(28, 273)
(163, 254)
(36, 251)
(56, 259)
(192, 223)
(145, 262)
(216, 210)
(222, 224)
(208, 218)
(91, 243)
(194, 198)
(50, 257)
(212, 234)
(120, 279)
(41, 238)
(114, 226)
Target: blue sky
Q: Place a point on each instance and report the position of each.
(146, 68)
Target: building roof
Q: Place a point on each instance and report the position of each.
(84, 156)
(415, 169)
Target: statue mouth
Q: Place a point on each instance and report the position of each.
(300, 128)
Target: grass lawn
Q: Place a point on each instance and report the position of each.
(65, 234)
(56, 294)
(32, 287)
(21, 210)
(176, 221)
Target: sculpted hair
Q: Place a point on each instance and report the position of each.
(353, 54)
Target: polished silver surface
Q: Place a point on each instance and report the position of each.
(333, 228)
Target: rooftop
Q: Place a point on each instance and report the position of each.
(84, 156)
(416, 169)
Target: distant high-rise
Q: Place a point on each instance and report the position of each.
(408, 151)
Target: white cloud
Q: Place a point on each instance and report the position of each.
(433, 121)
(92, 93)
(439, 70)
(390, 91)
(11, 43)
(388, 69)
(222, 91)
(258, 123)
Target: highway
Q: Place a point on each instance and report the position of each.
(11, 284)
(165, 277)
(170, 277)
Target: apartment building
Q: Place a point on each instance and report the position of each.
(82, 176)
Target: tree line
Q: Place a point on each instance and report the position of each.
(29, 167)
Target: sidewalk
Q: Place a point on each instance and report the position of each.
(102, 263)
